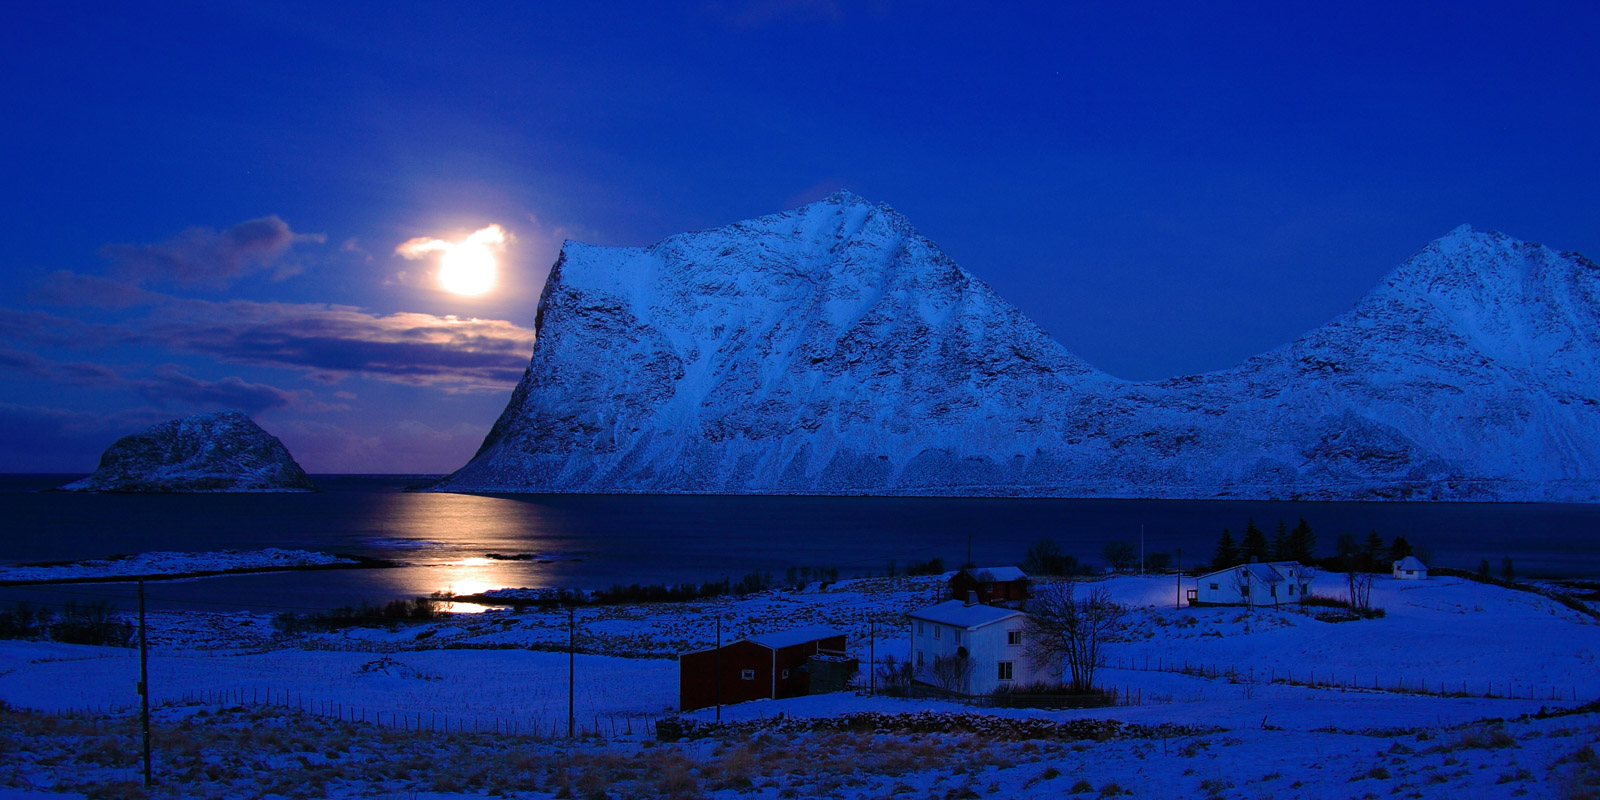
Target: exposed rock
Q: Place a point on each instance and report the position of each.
(221, 452)
(833, 350)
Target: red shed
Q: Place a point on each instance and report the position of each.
(760, 667)
(992, 584)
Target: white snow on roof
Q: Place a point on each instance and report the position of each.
(999, 573)
(1410, 562)
(781, 639)
(958, 613)
(1265, 573)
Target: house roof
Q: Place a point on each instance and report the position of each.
(998, 573)
(1265, 573)
(958, 613)
(778, 640)
(1410, 562)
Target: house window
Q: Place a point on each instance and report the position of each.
(1244, 591)
(936, 632)
(1005, 670)
(1013, 637)
(1291, 591)
(919, 658)
(747, 674)
(1213, 587)
(920, 627)
(956, 635)
(786, 674)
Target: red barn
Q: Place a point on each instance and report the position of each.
(768, 666)
(1005, 585)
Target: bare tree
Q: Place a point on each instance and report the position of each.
(1065, 631)
(1241, 581)
(1360, 584)
(952, 673)
(1120, 556)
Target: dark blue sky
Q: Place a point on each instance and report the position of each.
(203, 201)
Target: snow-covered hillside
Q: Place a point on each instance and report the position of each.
(221, 452)
(833, 350)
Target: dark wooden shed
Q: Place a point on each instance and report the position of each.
(770, 666)
(1007, 585)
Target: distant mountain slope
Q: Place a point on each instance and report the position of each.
(833, 349)
(221, 452)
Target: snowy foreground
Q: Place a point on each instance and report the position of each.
(1481, 692)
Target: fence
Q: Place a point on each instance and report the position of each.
(1510, 689)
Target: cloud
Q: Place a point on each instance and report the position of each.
(64, 288)
(167, 386)
(329, 342)
(322, 446)
(208, 257)
(42, 439)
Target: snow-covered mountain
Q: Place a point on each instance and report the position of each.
(221, 452)
(833, 350)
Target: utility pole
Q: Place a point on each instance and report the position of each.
(1180, 579)
(969, 550)
(144, 687)
(572, 663)
(718, 669)
(872, 658)
(1141, 548)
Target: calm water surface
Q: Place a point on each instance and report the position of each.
(593, 541)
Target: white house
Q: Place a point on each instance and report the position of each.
(1410, 568)
(1255, 584)
(972, 649)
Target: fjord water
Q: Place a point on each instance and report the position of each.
(593, 541)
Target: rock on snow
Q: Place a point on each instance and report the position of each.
(221, 452)
(833, 350)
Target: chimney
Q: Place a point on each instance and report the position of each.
(972, 597)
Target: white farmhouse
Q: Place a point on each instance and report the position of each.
(971, 648)
(1255, 584)
(1410, 568)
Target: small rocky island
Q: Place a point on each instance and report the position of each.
(220, 452)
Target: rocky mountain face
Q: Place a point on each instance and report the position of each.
(833, 350)
(221, 452)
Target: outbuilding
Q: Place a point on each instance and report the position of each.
(770, 666)
(1410, 568)
(992, 584)
(971, 648)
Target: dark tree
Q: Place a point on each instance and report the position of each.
(1302, 543)
(1158, 562)
(1280, 542)
(1400, 549)
(1254, 546)
(1507, 571)
(1227, 553)
(1372, 552)
(1120, 556)
(1044, 557)
(1483, 569)
(1345, 547)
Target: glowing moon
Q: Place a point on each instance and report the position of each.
(467, 267)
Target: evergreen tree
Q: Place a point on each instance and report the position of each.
(1508, 572)
(1483, 569)
(1254, 545)
(1345, 546)
(1372, 552)
(1400, 549)
(1302, 543)
(1227, 554)
(1280, 543)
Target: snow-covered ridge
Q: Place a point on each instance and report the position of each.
(834, 350)
(221, 452)
(172, 564)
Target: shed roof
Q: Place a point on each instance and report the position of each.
(1410, 562)
(998, 573)
(958, 613)
(778, 640)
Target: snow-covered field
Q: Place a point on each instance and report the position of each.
(171, 564)
(243, 712)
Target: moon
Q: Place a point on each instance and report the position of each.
(467, 268)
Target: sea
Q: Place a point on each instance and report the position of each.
(444, 542)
